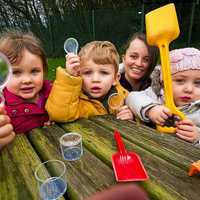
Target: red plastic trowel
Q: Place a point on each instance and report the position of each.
(127, 165)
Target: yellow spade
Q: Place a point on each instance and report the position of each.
(162, 28)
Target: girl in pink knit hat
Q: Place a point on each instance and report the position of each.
(185, 72)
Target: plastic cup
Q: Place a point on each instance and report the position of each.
(51, 187)
(71, 146)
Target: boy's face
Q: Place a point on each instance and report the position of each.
(97, 78)
(186, 87)
(27, 77)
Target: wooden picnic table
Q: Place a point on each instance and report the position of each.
(165, 157)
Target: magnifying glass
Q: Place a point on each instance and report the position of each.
(71, 45)
(5, 73)
(115, 102)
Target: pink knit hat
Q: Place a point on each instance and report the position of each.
(180, 60)
(184, 59)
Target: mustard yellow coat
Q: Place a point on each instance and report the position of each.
(67, 102)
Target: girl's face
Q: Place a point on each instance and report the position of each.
(186, 87)
(136, 60)
(27, 77)
(97, 79)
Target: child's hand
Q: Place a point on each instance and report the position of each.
(158, 114)
(125, 113)
(49, 123)
(6, 129)
(187, 130)
(72, 64)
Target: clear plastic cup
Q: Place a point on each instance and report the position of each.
(51, 187)
(71, 146)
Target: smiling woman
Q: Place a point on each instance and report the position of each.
(139, 60)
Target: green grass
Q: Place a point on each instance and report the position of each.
(53, 63)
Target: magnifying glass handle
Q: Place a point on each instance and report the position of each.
(2, 99)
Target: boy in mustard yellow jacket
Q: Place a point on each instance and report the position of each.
(83, 88)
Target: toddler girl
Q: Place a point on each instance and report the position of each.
(26, 93)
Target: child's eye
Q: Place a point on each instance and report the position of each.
(87, 72)
(16, 72)
(179, 81)
(104, 72)
(197, 83)
(35, 71)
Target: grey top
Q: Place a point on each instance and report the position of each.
(140, 102)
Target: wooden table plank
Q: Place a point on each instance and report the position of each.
(85, 176)
(17, 164)
(170, 141)
(166, 178)
(167, 146)
(165, 157)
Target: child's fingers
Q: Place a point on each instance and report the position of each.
(122, 108)
(70, 56)
(72, 60)
(6, 130)
(7, 139)
(4, 119)
(125, 114)
(2, 110)
(73, 68)
(159, 120)
(185, 135)
(73, 63)
(48, 123)
(185, 127)
(167, 112)
(185, 122)
(164, 115)
(187, 132)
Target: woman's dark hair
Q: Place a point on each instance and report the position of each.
(153, 51)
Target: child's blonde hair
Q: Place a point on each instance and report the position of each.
(100, 52)
(13, 43)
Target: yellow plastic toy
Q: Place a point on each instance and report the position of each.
(162, 28)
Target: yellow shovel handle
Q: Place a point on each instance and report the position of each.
(166, 74)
